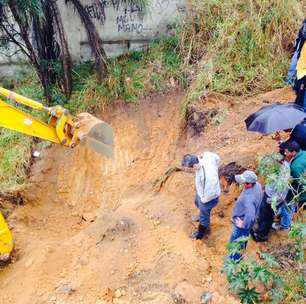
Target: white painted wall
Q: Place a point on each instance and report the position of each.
(124, 28)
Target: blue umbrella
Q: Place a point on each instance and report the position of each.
(275, 117)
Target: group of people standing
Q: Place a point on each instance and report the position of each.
(257, 206)
(253, 213)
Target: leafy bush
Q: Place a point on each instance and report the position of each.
(264, 280)
(15, 155)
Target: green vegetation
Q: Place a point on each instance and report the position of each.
(130, 77)
(238, 47)
(277, 276)
(15, 156)
(267, 279)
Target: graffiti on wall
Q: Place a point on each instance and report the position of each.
(131, 21)
(129, 18)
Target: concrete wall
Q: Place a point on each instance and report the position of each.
(124, 28)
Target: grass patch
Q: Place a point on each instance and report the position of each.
(15, 156)
(130, 77)
(238, 47)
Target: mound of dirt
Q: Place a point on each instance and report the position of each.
(94, 230)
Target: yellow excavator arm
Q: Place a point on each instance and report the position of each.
(62, 128)
(6, 238)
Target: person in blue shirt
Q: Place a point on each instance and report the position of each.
(246, 208)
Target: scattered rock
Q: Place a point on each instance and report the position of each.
(196, 121)
(89, 217)
(122, 227)
(28, 263)
(66, 289)
(156, 222)
(118, 293)
(36, 154)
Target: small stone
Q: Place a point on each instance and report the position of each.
(28, 263)
(118, 293)
(36, 154)
(66, 289)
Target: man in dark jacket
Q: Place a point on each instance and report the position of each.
(246, 208)
(298, 169)
(298, 134)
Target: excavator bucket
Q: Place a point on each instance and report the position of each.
(95, 134)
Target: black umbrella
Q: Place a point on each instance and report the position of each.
(275, 117)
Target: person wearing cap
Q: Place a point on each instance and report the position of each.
(246, 208)
(205, 167)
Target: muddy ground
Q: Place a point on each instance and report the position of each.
(94, 230)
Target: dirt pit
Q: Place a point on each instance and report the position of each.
(93, 230)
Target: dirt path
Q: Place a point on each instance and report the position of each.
(94, 231)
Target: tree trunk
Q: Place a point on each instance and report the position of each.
(25, 35)
(64, 52)
(94, 40)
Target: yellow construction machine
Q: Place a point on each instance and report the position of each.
(62, 128)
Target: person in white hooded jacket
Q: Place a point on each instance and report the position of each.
(206, 169)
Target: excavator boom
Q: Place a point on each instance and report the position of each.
(62, 128)
(14, 119)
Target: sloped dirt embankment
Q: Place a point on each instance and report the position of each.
(93, 230)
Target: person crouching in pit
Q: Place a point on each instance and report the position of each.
(205, 167)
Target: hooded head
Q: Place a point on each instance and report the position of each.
(189, 160)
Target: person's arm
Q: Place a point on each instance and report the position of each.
(202, 184)
(187, 169)
(190, 170)
(250, 215)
